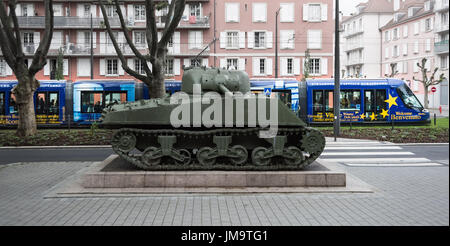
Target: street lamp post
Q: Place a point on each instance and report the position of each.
(92, 50)
(276, 42)
(336, 101)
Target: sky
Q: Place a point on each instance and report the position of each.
(348, 6)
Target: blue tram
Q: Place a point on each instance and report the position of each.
(49, 100)
(363, 101)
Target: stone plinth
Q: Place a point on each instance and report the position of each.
(112, 173)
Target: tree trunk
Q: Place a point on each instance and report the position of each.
(24, 92)
(157, 88)
(425, 97)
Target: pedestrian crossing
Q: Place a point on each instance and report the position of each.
(372, 154)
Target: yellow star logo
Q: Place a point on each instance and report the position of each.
(384, 113)
(372, 116)
(362, 116)
(391, 101)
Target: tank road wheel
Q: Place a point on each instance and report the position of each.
(258, 156)
(186, 155)
(151, 156)
(203, 156)
(241, 155)
(124, 141)
(293, 156)
(313, 141)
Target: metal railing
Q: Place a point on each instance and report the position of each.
(441, 47)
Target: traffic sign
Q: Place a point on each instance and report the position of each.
(267, 91)
(433, 89)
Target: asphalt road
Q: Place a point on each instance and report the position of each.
(13, 155)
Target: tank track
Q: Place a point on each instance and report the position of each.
(308, 140)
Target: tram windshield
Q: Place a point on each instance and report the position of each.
(408, 97)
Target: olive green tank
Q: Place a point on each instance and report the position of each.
(214, 123)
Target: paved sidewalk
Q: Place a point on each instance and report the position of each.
(403, 196)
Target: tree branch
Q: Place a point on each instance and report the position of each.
(12, 12)
(168, 31)
(151, 33)
(6, 26)
(116, 46)
(129, 40)
(6, 50)
(169, 15)
(40, 56)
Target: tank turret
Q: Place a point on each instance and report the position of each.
(218, 80)
(231, 143)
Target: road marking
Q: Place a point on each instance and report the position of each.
(427, 164)
(366, 153)
(382, 160)
(362, 147)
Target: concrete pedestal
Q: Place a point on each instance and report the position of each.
(116, 173)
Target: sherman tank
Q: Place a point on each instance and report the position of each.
(210, 125)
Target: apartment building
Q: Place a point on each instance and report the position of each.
(72, 35)
(362, 38)
(441, 29)
(415, 33)
(245, 32)
(247, 37)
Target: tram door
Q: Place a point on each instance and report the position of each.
(374, 103)
(47, 107)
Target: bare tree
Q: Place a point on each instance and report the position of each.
(154, 76)
(394, 70)
(11, 45)
(427, 82)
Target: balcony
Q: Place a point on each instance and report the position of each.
(351, 33)
(74, 22)
(441, 47)
(441, 6)
(353, 46)
(441, 28)
(355, 61)
(73, 49)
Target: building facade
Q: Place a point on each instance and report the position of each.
(415, 33)
(362, 38)
(244, 31)
(441, 29)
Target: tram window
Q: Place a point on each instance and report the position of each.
(12, 104)
(380, 98)
(283, 95)
(41, 103)
(317, 101)
(368, 97)
(2, 103)
(115, 97)
(329, 101)
(350, 99)
(91, 102)
(408, 97)
(53, 103)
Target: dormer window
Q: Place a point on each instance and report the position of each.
(427, 6)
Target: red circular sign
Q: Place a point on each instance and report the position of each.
(433, 89)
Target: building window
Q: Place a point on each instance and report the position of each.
(259, 12)
(28, 38)
(260, 39)
(314, 66)
(444, 62)
(395, 34)
(287, 12)
(108, 39)
(111, 67)
(87, 38)
(314, 39)
(196, 62)
(395, 53)
(262, 66)
(87, 10)
(386, 36)
(111, 10)
(195, 9)
(231, 12)
(139, 38)
(139, 66)
(314, 12)
(232, 40)
(139, 12)
(232, 64)
(169, 66)
(290, 66)
(428, 24)
(2, 67)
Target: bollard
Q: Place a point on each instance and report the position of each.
(392, 123)
(434, 119)
(68, 122)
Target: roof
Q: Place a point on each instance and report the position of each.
(404, 9)
(374, 6)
